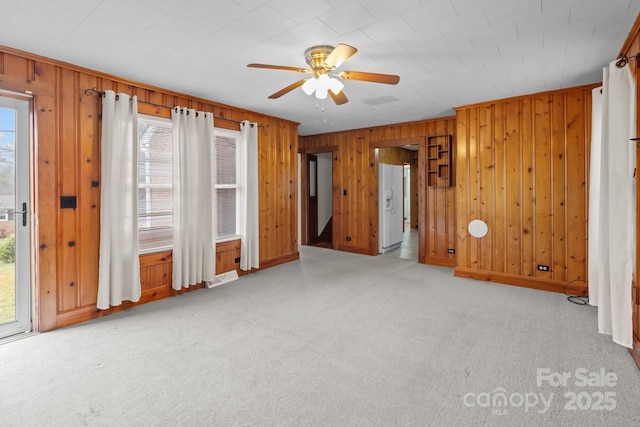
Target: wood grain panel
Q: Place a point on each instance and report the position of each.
(67, 144)
(89, 170)
(543, 191)
(472, 190)
(155, 270)
(516, 153)
(45, 201)
(527, 220)
(512, 213)
(486, 174)
(462, 183)
(226, 255)
(499, 234)
(559, 184)
(576, 162)
(67, 161)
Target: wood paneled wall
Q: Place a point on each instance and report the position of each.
(66, 161)
(356, 186)
(522, 167)
(631, 49)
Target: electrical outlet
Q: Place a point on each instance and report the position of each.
(543, 267)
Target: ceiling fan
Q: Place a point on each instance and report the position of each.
(323, 60)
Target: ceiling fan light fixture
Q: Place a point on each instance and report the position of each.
(323, 61)
(323, 81)
(335, 86)
(321, 92)
(310, 85)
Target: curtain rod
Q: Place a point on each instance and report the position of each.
(624, 60)
(96, 91)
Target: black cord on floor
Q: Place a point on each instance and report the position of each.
(576, 299)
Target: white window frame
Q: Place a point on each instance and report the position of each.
(226, 133)
(234, 134)
(148, 186)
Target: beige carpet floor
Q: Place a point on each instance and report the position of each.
(334, 339)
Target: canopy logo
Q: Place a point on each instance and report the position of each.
(594, 393)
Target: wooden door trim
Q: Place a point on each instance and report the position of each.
(312, 238)
(304, 189)
(421, 142)
(418, 140)
(318, 150)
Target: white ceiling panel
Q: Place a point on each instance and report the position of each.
(347, 18)
(251, 4)
(267, 21)
(393, 28)
(446, 52)
(166, 6)
(133, 10)
(382, 9)
(430, 15)
(219, 12)
(191, 23)
(301, 11)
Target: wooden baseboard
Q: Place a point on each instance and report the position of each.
(91, 311)
(443, 262)
(272, 262)
(355, 250)
(522, 281)
(149, 295)
(635, 352)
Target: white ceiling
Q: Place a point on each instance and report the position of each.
(446, 52)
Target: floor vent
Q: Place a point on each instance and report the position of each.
(223, 278)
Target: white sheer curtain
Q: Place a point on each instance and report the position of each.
(119, 266)
(249, 232)
(612, 204)
(194, 250)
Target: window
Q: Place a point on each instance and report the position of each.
(155, 195)
(155, 203)
(227, 182)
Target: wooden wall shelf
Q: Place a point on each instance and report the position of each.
(439, 161)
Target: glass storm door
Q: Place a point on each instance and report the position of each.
(15, 257)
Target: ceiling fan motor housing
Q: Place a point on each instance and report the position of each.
(316, 56)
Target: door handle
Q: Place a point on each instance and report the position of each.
(23, 212)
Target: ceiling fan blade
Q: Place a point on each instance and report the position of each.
(338, 55)
(389, 79)
(340, 98)
(287, 89)
(280, 67)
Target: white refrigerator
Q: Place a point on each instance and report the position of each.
(390, 218)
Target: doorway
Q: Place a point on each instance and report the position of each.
(404, 159)
(407, 195)
(15, 253)
(320, 199)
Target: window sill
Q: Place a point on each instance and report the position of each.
(170, 248)
(228, 239)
